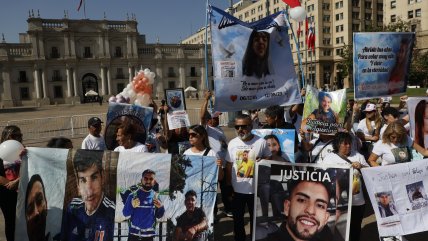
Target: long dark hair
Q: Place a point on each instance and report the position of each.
(419, 122)
(251, 63)
(9, 132)
(267, 137)
(202, 132)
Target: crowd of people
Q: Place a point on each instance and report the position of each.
(373, 134)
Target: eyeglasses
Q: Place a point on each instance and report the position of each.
(244, 127)
(193, 134)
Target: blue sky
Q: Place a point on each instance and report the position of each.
(170, 20)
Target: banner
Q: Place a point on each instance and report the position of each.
(324, 112)
(177, 119)
(253, 64)
(302, 198)
(98, 195)
(41, 194)
(280, 142)
(381, 63)
(417, 112)
(398, 194)
(138, 116)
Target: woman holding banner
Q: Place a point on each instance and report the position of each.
(368, 129)
(421, 123)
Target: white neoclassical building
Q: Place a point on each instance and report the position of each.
(59, 60)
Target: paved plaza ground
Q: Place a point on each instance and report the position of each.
(224, 228)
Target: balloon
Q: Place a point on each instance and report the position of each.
(298, 14)
(10, 150)
(112, 99)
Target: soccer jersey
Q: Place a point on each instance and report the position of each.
(143, 217)
(79, 226)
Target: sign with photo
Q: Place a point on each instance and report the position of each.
(253, 64)
(418, 110)
(279, 141)
(399, 197)
(381, 63)
(175, 99)
(285, 191)
(178, 119)
(323, 112)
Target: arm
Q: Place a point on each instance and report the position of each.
(228, 173)
(220, 170)
(201, 226)
(204, 108)
(372, 160)
(178, 234)
(160, 210)
(420, 149)
(128, 207)
(3, 181)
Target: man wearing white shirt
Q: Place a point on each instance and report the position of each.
(94, 140)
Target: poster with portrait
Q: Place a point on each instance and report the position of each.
(143, 181)
(41, 194)
(285, 192)
(178, 119)
(137, 116)
(175, 99)
(381, 63)
(323, 112)
(201, 178)
(90, 195)
(279, 141)
(418, 113)
(253, 64)
(399, 197)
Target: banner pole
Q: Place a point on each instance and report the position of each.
(207, 84)
(297, 42)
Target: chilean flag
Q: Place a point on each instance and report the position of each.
(80, 5)
(311, 37)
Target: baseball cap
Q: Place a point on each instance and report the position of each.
(370, 107)
(93, 121)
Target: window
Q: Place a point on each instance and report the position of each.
(339, 51)
(339, 40)
(410, 1)
(22, 76)
(410, 14)
(413, 27)
(379, 6)
(87, 53)
(118, 52)
(120, 87)
(326, 52)
(54, 53)
(393, 18)
(24, 93)
(56, 75)
(338, 4)
(326, 29)
(171, 84)
(368, 16)
(339, 28)
(326, 6)
(368, 5)
(356, 3)
(246, 14)
(192, 71)
(171, 72)
(326, 41)
(58, 91)
(418, 1)
(339, 16)
(355, 15)
(253, 11)
(418, 12)
(311, 8)
(355, 27)
(393, 4)
(326, 18)
(119, 73)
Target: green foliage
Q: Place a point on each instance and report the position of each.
(179, 164)
(419, 69)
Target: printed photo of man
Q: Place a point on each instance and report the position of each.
(143, 208)
(36, 209)
(306, 212)
(90, 216)
(386, 205)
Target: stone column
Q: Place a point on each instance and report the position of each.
(36, 83)
(182, 76)
(44, 84)
(103, 81)
(109, 90)
(69, 90)
(130, 73)
(75, 82)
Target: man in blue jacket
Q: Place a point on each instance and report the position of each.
(143, 207)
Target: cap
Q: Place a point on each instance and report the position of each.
(93, 121)
(370, 107)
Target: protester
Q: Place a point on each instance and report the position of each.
(343, 155)
(389, 114)
(318, 148)
(94, 140)
(36, 209)
(60, 142)
(143, 208)
(368, 129)
(243, 187)
(176, 138)
(9, 180)
(193, 222)
(126, 137)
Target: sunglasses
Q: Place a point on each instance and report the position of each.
(244, 127)
(193, 134)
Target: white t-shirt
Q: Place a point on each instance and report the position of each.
(191, 153)
(139, 147)
(243, 171)
(93, 143)
(391, 153)
(333, 158)
(319, 148)
(362, 127)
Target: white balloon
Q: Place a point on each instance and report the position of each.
(298, 14)
(112, 99)
(10, 150)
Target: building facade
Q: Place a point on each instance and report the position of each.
(334, 22)
(60, 60)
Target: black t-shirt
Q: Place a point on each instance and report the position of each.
(186, 221)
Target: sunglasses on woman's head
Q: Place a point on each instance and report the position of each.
(237, 127)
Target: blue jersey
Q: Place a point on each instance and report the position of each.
(78, 226)
(143, 217)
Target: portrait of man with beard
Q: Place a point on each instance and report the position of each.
(36, 209)
(306, 213)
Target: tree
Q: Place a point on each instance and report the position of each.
(418, 74)
(346, 65)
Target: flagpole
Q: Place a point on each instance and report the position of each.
(298, 51)
(84, 8)
(207, 85)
